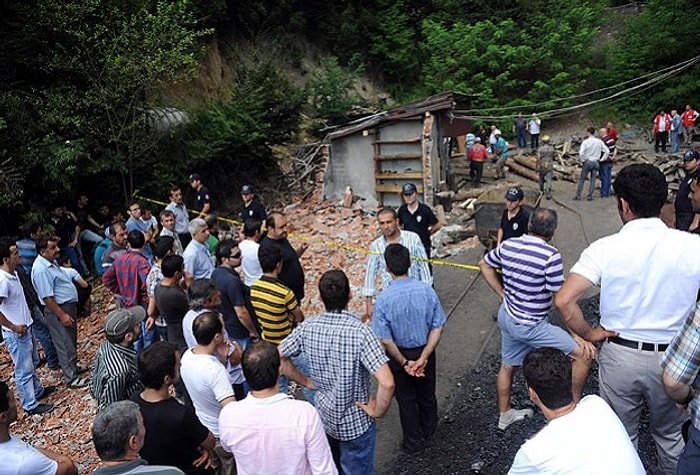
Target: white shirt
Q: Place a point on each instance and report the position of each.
(593, 149)
(19, 457)
(535, 126)
(649, 277)
(249, 261)
(589, 440)
(13, 304)
(275, 435)
(207, 384)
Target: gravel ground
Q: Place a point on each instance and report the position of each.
(468, 440)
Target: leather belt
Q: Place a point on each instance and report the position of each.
(638, 345)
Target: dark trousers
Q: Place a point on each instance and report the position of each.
(185, 239)
(417, 402)
(661, 139)
(684, 220)
(476, 171)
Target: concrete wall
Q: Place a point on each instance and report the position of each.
(351, 163)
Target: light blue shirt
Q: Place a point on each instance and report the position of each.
(50, 281)
(406, 312)
(198, 261)
(182, 220)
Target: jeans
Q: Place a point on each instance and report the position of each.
(535, 141)
(605, 178)
(41, 332)
(689, 461)
(21, 348)
(300, 364)
(72, 254)
(590, 166)
(355, 457)
(675, 141)
(522, 138)
(146, 339)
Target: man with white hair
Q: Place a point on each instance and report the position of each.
(198, 261)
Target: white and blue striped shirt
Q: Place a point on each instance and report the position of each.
(532, 271)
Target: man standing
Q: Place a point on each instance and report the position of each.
(686, 218)
(66, 227)
(182, 219)
(118, 434)
(292, 274)
(500, 151)
(607, 164)
(598, 430)
(688, 118)
(135, 223)
(19, 457)
(127, 278)
(114, 376)
(167, 223)
(236, 307)
(532, 272)
(520, 130)
(676, 130)
(477, 155)
(17, 332)
(417, 217)
(162, 247)
(117, 234)
(408, 319)
(249, 252)
(662, 124)
(174, 435)
(252, 208)
(171, 298)
(255, 428)
(392, 234)
(592, 151)
(545, 166)
(342, 388)
(207, 381)
(198, 261)
(60, 299)
(649, 276)
(202, 197)
(515, 218)
(534, 127)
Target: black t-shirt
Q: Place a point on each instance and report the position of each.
(173, 433)
(255, 210)
(172, 304)
(292, 274)
(65, 229)
(515, 227)
(683, 203)
(233, 294)
(201, 197)
(418, 222)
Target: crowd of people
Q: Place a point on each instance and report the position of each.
(193, 375)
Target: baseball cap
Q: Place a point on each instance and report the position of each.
(246, 189)
(120, 321)
(497, 132)
(690, 155)
(195, 177)
(514, 194)
(545, 138)
(409, 189)
(477, 139)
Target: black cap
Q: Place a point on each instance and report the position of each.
(247, 189)
(195, 177)
(514, 194)
(690, 155)
(409, 189)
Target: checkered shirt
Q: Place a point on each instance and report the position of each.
(341, 352)
(681, 361)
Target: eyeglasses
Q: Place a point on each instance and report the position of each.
(235, 256)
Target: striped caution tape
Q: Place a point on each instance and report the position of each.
(435, 262)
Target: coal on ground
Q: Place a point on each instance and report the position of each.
(468, 440)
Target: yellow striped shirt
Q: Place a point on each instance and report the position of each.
(273, 301)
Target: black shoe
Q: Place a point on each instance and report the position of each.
(41, 363)
(590, 198)
(48, 390)
(41, 409)
(576, 198)
(54, 367)
(82, 369)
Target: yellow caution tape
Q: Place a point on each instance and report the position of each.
(436, 262)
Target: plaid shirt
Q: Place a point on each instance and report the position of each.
(681, 361)
(127, 277)
(341, 353)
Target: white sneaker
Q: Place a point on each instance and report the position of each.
(513, 415)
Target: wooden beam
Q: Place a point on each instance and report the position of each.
(395, 188)
(399, 176)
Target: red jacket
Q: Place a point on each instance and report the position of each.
(657, 120)
(477, 153)
(689, 117)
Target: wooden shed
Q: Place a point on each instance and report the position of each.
(376, 155)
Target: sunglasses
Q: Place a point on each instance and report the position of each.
(235, 256)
